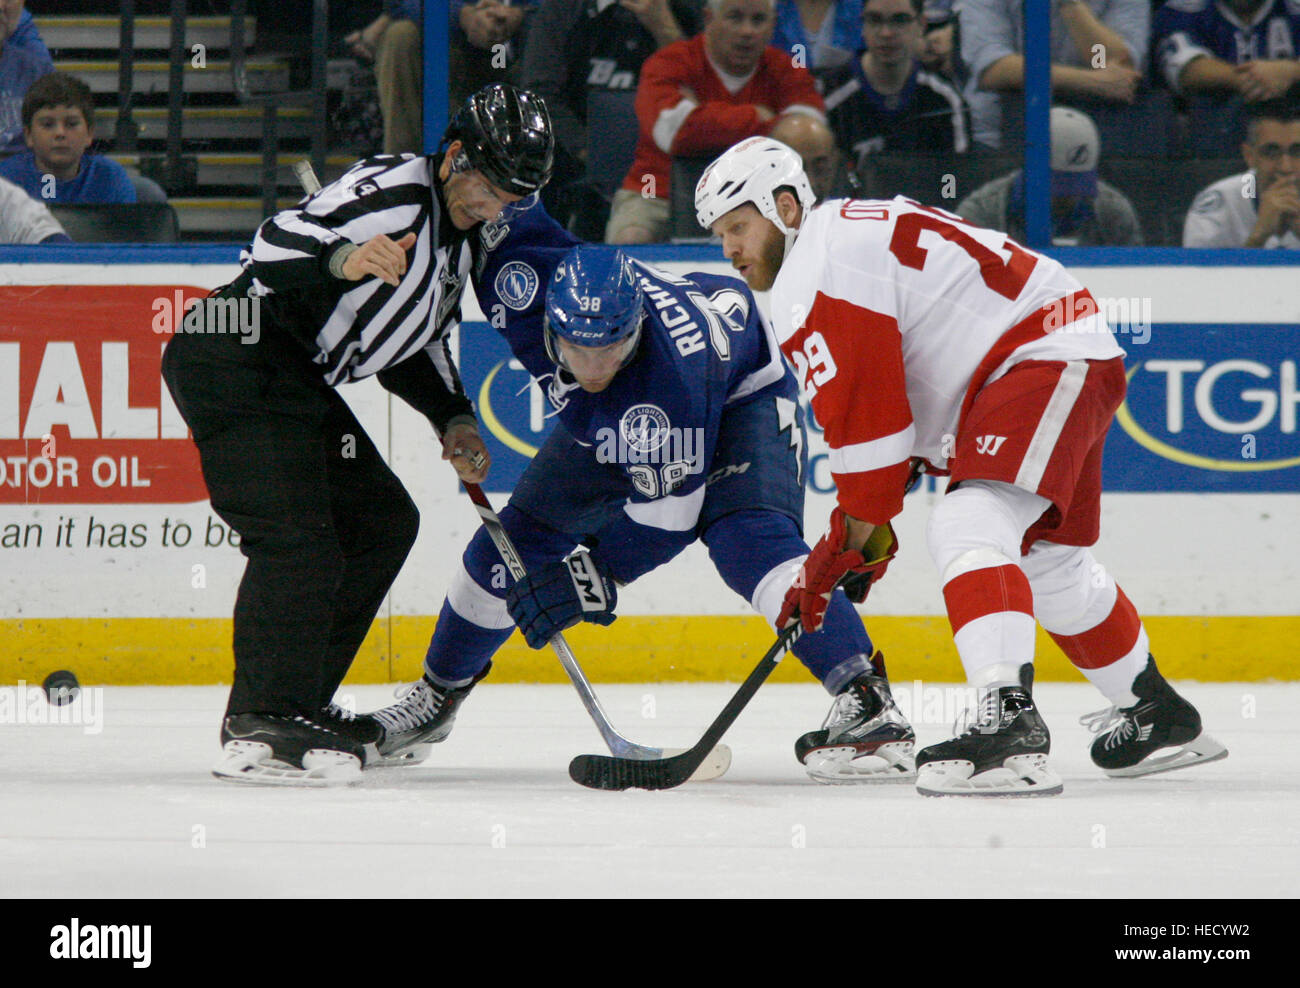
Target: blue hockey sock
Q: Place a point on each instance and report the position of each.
(460, 648)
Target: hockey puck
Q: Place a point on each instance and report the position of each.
(61, 687)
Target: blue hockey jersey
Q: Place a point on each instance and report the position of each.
(704, 348)
(1188, 29)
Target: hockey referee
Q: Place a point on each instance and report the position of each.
(364, 277)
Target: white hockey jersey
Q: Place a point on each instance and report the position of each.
(1223, 215)
(895, 314)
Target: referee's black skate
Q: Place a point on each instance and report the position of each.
(361, 728)
(1002, 753)
(865, 737)
(422, 716)
(282, 750)
(1159, 733)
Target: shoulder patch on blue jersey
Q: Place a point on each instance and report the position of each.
(516, 285)
(493, 233)
(644, 427)
(1209, 201)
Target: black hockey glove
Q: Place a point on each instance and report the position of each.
(558, 595)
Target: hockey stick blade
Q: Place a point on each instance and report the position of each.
(718, 760)
(616, 774)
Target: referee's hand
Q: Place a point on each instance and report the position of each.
(464, 448)
(380, 256)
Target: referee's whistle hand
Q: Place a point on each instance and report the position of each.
(380, 256)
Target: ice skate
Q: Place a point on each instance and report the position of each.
(1159, 733)
(1002, 753)
(865, 737)
(422, 716)
(280, 750)
(361, 728)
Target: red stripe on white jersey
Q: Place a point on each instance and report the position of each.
(1046, 320)
(849, 361)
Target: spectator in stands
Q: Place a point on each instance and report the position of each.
(1261, 206)
(59, 127)
(1244, 47)
(700, 96)
(939, 48)
(821, 34)
(1098, 48)
(581, 51)
(23, 220)
(22, 29)
(886, 100)
(1086, 211)
(812, 139)
(486, 41)
(392, 42)
(19, 68)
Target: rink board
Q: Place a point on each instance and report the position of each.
(111, 562)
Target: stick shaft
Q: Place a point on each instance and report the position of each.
(616, 743)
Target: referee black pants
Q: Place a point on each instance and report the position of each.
(324, 523)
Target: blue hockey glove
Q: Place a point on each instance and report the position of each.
(559, 595)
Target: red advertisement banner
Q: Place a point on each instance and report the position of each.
(84, 415)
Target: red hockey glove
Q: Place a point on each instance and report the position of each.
(828, 564)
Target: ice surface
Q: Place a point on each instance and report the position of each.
(133, 811)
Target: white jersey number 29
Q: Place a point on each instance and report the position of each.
(814, 364)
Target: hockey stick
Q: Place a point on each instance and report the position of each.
(604, 772)
(306, 176)
(712, 763)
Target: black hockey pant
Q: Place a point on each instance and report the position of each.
(324, 523)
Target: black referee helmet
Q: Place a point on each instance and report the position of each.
(506, 133)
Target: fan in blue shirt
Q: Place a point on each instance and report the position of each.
(58, 115)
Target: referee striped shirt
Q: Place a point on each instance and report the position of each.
(354, 329)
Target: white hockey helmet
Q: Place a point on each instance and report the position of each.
(752, 171)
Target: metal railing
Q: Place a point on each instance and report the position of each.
(175, 175)
(315, 97)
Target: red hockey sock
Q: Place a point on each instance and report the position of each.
(1107, 642)
(981, 592)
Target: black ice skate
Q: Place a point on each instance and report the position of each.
(280, 750)
(361, 728)
(1159, 733)
(422, 716)
(865, 738)
(1003, 753)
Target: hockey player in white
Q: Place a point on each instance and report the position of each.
(919, 337)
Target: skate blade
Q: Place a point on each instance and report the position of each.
(1018, 776)
(713, 767)
(406, 758)
(250, 763)
(840, 766)
(1196, 752)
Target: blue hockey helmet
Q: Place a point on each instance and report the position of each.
(594, 301)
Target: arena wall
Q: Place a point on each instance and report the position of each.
(112, 563)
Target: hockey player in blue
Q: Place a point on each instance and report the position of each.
(678, 420)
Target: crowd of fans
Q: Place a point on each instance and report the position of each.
(643, 92)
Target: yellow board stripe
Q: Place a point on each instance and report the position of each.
(182, 651)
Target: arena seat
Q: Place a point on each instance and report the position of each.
(151, 222)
